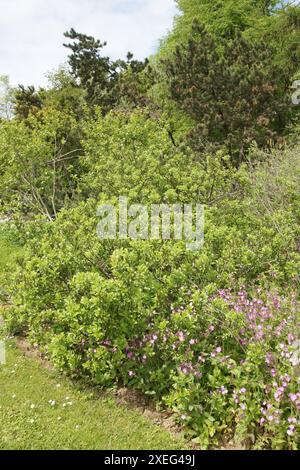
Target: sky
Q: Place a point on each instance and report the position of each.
(31, 32)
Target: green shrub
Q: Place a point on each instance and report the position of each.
(176, 324)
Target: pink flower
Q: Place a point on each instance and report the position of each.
(293, 396)
(291, 338)
(181, 336)
(277, 396)
(269, 358)
(291, 430)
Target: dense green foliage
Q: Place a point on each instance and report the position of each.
(211, 334)
(140, 311)
(269, 21)
(39, 167)
(234, 96)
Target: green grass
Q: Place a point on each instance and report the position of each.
(29, 421)
(79, 419)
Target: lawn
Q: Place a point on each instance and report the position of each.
(41, 410)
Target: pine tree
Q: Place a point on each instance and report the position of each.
(27, 100)
(232, 95)
(106, 82)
